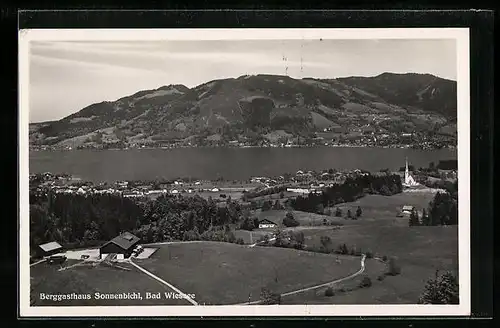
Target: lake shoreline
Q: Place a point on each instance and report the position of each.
(224, 163)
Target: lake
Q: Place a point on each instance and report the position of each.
(229, 163)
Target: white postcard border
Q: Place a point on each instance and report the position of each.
(461, 35)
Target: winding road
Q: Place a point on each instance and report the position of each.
(360, 271)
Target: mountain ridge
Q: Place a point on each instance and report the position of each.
(251, 105)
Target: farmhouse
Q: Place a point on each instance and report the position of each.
(264, 223)
(298, 190)
(121, 245)
(407, 209)
(51, 248)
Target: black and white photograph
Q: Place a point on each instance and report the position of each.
(244, 172)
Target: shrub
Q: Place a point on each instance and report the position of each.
(268, 297)
(289, 220)
(384, 258)
(394, 268)
(359, 212)
(338, 212)
(326, 243)
(381, 277)
(365, 282)
(342, 249)
(240, 241)
(266, 206)
(329, 292)
(369, 255)
(277, 205)
(442, 289)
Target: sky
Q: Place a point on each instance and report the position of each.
(67, 76)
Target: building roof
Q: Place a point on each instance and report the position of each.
(48, 247)
(126, 240)
(266, 221)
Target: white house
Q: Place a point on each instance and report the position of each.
(264, 224)
(298, 190)
(407, 209)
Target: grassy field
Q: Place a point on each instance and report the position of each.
(86, 279)
(420, 250)
(222, 273)
(347, 292)
(378, 207)
(304, 218)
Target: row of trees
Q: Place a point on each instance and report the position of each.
(349, 191)
(264, 192)
(443, 210)
(83, 220)
(269, 205)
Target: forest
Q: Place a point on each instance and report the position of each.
(349, 191)
(88, 220)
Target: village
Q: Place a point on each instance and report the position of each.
(363, 136)
(301, 182)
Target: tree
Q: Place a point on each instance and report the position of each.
(365, 282)
(326, 243)
(298, 239)
(385, 191)
(342, 249)
(266, 206)
(394, 269)
(268, 297)
(425, 218)
(338, 212)
(413, 221)
(359, 212)
(282, 195)
(279, 237)
(289, 220)
(329, 292)
(349, 215)
(443, 210)
(247, 224)
(443, 289)
(277, 205)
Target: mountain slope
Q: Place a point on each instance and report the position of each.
(423, 91)
(250, 107)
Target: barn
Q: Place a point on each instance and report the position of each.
(122, 245)
(51, 248)
(263, 224)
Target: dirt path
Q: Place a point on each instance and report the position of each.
(261, 242)
(186, 297)
(37, 262)
(360, 271)
(174, 242)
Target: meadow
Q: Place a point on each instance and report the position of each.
(222, 273)
(88, 279)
